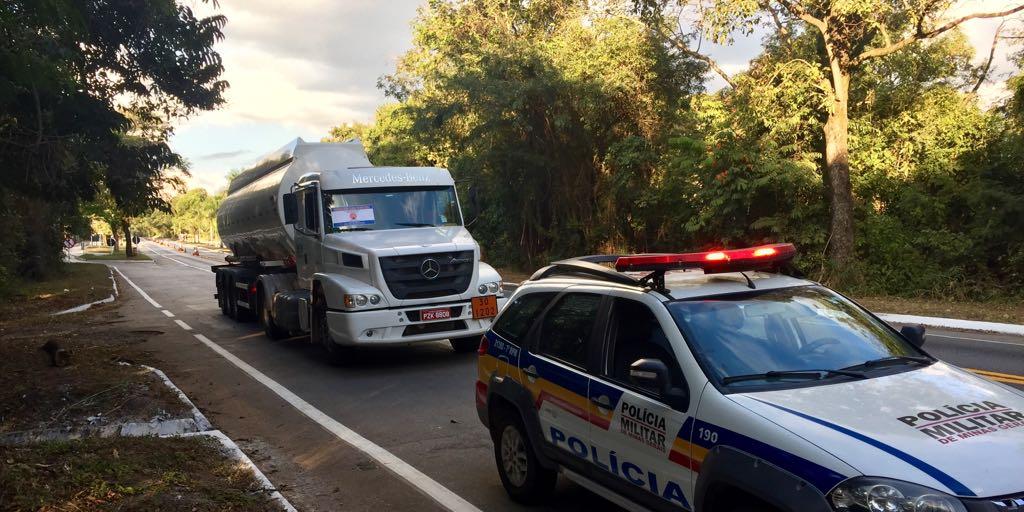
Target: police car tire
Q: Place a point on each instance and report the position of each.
(539, 482)
(465, 345)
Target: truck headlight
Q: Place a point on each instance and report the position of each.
(353, 301)
(870, 494)
(493, 288)
(374, 299)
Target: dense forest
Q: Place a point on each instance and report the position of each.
(87, 92)
(574, 129)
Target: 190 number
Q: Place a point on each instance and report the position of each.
(707, 435)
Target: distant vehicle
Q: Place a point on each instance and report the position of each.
(323, 242)
(723, 388)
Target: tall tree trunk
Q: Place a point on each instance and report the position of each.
(126, 229)
(837, 167)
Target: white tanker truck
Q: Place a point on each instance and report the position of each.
(324, 242)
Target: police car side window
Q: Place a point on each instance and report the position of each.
(635, 333)
(519, 316)
(567, 327)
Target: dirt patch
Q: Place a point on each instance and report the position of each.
(144, 473)
(1004, 312)
(512, 275)
(91, 389)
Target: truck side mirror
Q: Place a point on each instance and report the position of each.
(914, 334)
(291, 208)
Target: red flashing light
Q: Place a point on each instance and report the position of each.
(482, 349)
(716, 256)
(732, 260)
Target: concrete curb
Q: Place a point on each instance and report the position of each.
(84, 307)
(953, 323)
(236, 453)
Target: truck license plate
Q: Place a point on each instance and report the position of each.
(435, 314)
(485, 307)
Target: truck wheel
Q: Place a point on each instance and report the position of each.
(465, 345)
(524, 479)
(320, 333)
(267, 320)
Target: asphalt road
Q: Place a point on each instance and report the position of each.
(416, 402)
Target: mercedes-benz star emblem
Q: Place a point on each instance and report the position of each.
(430, 268)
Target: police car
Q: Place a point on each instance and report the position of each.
(711, 382)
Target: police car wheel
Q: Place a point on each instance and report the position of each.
(521, 474)
(464, 345)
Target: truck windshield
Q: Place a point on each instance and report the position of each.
(776, 338)
(391, 208)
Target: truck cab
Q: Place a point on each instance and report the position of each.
(373, 256)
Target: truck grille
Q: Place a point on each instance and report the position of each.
(405, 277)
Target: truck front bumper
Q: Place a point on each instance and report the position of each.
(399, 326)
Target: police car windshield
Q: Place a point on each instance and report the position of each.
(391, 208)
(784, 330)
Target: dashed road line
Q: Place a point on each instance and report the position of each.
(428, 486)
(183, 325)
(141, 292)
(159, 252)
(167, 313)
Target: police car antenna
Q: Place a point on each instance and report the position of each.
(750, 283)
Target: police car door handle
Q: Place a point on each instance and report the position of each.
(601, 401)
(531, 372)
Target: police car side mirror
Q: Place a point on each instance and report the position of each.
(291, 208)
(914, 334)
(651, 374)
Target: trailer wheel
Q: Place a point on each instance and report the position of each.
(231, 296)
(319, 332)
(222, 299)
(267, 319)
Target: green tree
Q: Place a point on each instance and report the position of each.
(533, 106)
(848, 37)
(68, 71)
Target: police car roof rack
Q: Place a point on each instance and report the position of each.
(586, 266)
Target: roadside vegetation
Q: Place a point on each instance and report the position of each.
(105, 254)
(97, 387)
(575, 130)
(88, 92)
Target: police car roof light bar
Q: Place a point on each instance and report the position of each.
(712, 262)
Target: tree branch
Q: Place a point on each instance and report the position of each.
(988, 64)
(921, 34)
(677, 41)
(797, 10)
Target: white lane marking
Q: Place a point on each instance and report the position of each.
(159, 252)
(976, 339)
(442, 495)
(183, 325)
(954, 323)
(141, 292)
(167, 313)
(439, 493)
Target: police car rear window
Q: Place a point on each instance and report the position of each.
(519, 316)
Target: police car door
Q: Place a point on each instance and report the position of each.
(640, 436)
(554, 369)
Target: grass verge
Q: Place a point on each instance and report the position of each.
(117, 255)
(1004, 312)
(142, 473)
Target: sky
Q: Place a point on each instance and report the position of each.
(296, 71)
